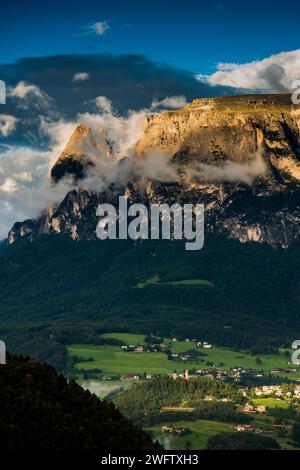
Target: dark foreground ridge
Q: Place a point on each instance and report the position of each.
(42, 411)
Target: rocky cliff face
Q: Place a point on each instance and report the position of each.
(81, 151)
(240, 156)
(229, 128)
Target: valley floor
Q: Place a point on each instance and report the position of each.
(110, 370)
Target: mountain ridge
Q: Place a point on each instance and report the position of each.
(240, 156)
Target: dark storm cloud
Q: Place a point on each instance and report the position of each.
(274, 75)
(129, 81)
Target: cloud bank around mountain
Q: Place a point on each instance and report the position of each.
(45, 103)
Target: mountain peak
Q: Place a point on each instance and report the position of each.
(82, 148)
(239, 156)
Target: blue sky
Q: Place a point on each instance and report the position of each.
(189, 34)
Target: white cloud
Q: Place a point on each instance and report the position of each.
(25, 186)
(123, 131)
(104, 104)
(7, 124)
(9, 185)
(173, 102)
(273, 74)
(230, 171)
(27, 94)
(81, 77)
(99, 28)
(23, 89)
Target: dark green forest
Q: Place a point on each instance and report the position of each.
(41, 410)
(142, 403)
(55, 291)
(241, 441)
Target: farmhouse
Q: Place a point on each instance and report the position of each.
(248, 408)
(173, 430)
(129, 377)
(261, 409)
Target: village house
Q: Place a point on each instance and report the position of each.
(297, 391)
(208, 398)
(261, 409)
(129, 377)
(267, 390)
(243, 427)
(173, 430)
(248, 408)
(246, 427)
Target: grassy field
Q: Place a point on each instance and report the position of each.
(270, 402)
(189, 282)
(201, 430)
(151, 280)
(184, 282)
(227, 359)
(127, 338)
(113, 361)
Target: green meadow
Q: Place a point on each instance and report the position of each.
(113, 361)
(184, 282)
(127, 338)
(270, 402)
(201, 430)
(197, 439)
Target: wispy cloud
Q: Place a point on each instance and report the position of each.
(25, 94)
(22, 90)
(81, 77)
(171, 102)
(99, 28)
(7, 124)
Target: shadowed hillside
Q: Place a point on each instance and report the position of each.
(41, 410)
(54, 291)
